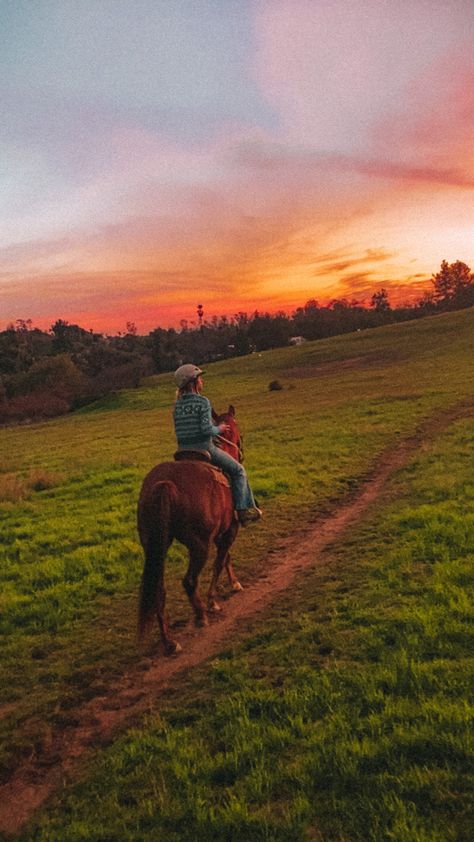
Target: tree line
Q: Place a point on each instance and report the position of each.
(47, 373)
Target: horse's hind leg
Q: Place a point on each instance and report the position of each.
(198, 553)
(171, 647)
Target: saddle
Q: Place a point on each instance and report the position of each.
(202, 456)
(192, 456)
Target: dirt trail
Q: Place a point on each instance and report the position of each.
(137, 690)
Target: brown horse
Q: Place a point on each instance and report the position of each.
(188, 500)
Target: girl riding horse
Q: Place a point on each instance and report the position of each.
(195, 431)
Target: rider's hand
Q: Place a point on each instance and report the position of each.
(224, 428)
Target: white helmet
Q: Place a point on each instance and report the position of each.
(186, 373)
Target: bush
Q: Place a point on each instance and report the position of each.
(41, 480)
(113, 378)
(57, 376)
(37, 405)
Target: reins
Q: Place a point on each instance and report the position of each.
(227, 441)
(221, 438)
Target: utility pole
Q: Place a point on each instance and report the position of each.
(200, 314)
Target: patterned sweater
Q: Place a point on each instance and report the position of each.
(193, 422)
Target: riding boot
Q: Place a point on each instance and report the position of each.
(246, 516)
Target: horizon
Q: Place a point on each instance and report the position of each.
(192, 322)
(158, 155)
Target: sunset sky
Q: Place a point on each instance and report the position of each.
(241, 154)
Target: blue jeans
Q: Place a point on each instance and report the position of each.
(241, 491)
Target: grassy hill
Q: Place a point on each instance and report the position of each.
(344, 718)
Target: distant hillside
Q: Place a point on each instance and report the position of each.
(47, 374)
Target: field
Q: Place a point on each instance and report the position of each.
(339, 712)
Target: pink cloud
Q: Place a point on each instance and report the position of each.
(433, 130)
(402, 171)
(333, 70)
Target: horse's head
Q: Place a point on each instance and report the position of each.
(231, 442)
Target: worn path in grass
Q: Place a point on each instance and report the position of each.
(95, 722)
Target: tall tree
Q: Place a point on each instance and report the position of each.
(379, 301)
(454, 284)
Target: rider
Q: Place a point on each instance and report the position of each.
(195, 431)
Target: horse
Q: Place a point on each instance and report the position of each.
(191, 501)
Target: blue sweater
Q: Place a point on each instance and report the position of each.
(193, 422)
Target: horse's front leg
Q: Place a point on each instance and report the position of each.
(223, 559)
(198, 553)
(222, 553)
(233, 581)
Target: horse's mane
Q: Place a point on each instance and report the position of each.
(235, 445)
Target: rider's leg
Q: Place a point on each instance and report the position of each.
(241, 491)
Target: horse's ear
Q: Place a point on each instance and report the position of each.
(231, 410)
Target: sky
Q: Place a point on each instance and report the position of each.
(241, 154)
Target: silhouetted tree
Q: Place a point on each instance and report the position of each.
(266, 331)
(454, 284)
(68, 338)
(380, 302)
(427, 303)
(21, 345)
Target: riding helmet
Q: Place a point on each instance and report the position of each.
(186, 373)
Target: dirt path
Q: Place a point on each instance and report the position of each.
(137, 690)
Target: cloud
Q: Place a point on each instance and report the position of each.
(321, 168)
(361, 287)
(370, 256)
(431, 131)
(365, 171)
(332, 70)
(401, 171)
(358, 281)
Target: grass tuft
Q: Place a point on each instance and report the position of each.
(41, 480)
(13, 489)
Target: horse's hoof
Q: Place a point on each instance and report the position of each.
(237, 586)
(173, 648)
(214, 608)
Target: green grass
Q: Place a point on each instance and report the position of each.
(344, 716)
(70, 561)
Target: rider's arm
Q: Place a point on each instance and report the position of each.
(207, 427)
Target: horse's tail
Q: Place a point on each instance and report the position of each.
(154, 523)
